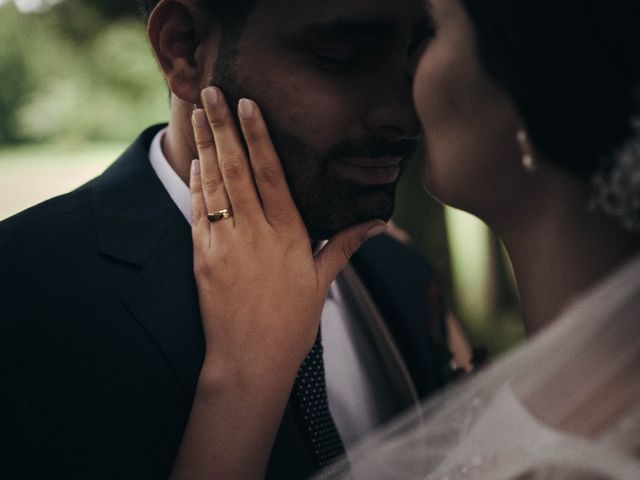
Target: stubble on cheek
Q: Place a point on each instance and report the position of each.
(305, 122)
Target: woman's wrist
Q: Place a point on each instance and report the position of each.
(218, 375)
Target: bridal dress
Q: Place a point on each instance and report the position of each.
(565, 405)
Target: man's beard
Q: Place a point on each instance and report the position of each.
(327, 202)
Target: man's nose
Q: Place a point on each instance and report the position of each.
(391, 112)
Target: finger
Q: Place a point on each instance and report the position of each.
(279, 207)
(335, 255)
(232, 159)
(213, 188)
(199, 224)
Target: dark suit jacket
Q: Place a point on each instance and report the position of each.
(100, 335)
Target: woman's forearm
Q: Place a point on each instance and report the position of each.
(261, 292)
(233, 424)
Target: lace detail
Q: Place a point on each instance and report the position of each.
(516, 434)
(617, 192)
(480, 429)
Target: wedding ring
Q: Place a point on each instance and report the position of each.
(219, 215)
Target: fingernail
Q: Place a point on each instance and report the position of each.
(245, 108)
(195, 168)
(210, 96)
(375, 231)
(199, 118)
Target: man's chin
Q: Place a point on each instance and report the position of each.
(330, 212)
(323, 230)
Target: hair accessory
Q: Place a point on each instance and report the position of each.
(617, 188)
(528, 159)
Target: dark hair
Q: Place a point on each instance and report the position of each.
(572, 68)
(234, 12)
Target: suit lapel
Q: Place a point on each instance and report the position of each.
(398, 280)
(165, 303)
(401, 388)
(138, 224)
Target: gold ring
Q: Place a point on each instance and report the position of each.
(219, 215)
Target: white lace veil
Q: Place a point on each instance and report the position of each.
(565, 405)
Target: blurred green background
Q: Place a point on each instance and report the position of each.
(78, 82)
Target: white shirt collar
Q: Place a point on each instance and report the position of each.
(173, 184)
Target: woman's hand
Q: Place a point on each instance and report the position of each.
(261, 292)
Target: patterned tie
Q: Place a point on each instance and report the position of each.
(309, 400)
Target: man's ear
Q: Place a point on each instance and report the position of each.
(186, 42)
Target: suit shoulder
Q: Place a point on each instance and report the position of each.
(46, 221)
(386, 254)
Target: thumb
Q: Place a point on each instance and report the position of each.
(335, 255)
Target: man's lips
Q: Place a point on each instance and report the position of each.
(368, 171)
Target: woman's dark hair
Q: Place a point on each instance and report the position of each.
(572, 68)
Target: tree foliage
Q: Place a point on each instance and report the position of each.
(80, 70)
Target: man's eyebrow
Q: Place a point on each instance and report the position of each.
(346, 27)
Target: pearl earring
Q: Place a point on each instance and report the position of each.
(528, 159)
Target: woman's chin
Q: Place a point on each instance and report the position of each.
(439, 189)
(450, 195)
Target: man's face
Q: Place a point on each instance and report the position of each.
(333, 79)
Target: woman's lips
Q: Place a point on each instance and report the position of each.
(368, 171)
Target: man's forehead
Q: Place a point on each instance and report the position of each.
(293, 15)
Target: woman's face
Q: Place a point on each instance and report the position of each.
(472, 158)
